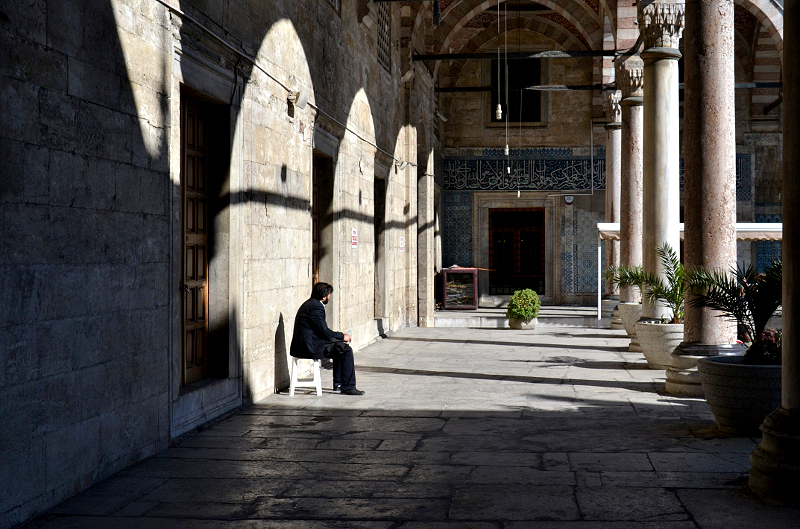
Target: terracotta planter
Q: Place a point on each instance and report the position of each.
(630, 313)
(658, 340)
(740, 395)
(522, 324)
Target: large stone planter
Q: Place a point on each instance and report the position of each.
(740, 395)
(658, 340)
(630, 313)
(683, 378)
(522, 325)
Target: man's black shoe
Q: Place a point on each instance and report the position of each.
(337, 388)
(327, 363)
(352, 391)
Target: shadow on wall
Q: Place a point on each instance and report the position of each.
(105, 170)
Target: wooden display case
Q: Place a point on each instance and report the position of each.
(460, 288)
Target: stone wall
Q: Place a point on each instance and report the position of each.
(90, 365)
(85, 261)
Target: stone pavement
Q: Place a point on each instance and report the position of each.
(556, 428)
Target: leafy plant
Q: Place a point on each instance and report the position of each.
(747, 297)
(524, 305)
(672, 291)
(626, 276)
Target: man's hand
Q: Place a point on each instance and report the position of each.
(347, 338)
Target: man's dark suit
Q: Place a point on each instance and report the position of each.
(311, 332)
(313, 339)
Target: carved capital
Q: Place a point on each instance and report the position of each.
(630, 80)
(661, 24)
(611, 105)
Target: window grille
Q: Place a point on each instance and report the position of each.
(384, 35)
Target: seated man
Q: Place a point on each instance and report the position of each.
(313, 339)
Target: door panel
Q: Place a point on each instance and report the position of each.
(195, 241)
(517, 250)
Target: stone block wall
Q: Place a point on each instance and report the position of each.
(90, 258)
(85, 258)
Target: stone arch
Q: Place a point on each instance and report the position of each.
(561, 39)
(573, 15)
(770, 14)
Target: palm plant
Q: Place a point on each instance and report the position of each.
(747, 297)
(626, 276)
(672, 291)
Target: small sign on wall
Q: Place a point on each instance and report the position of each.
(354, 238)
(402, 244)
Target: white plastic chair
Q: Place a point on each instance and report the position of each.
(315, 382)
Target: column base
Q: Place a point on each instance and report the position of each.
(775, 471)
(683, 378)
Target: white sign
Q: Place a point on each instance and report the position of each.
(354, 239)
(402, 244)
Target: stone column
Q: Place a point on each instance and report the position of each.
(709, 203)
(775, 462)
(661, 25)
(709, 209)
(611, 105)
(630, 81)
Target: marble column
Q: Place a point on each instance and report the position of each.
(613, 110)
(775, 462)
(629, 80)
(709, 203)
(661, 25)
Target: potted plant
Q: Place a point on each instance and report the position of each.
(523, 308)
(629, 312)
(742, 390)
(659, 337)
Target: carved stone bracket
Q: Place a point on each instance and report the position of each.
(611, 105)
(661, 24)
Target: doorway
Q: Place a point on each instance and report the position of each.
(516, 250)
(322, 220)
(204, 234)
(379, 227)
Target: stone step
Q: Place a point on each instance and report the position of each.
(495, 318)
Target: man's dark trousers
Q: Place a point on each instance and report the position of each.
(344, 371)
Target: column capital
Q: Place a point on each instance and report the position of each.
(611, 105)
(661, 24)
(630, 78)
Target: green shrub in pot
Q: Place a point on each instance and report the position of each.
(523, 306)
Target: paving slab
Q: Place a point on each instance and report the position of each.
(555, 428)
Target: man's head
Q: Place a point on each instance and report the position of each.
(322, 291)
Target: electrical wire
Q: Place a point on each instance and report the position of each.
(288, 90)
(499, 86)
(521, 90)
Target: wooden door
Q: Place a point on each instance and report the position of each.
(315, 220)
(516, 250)
(194, 213)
